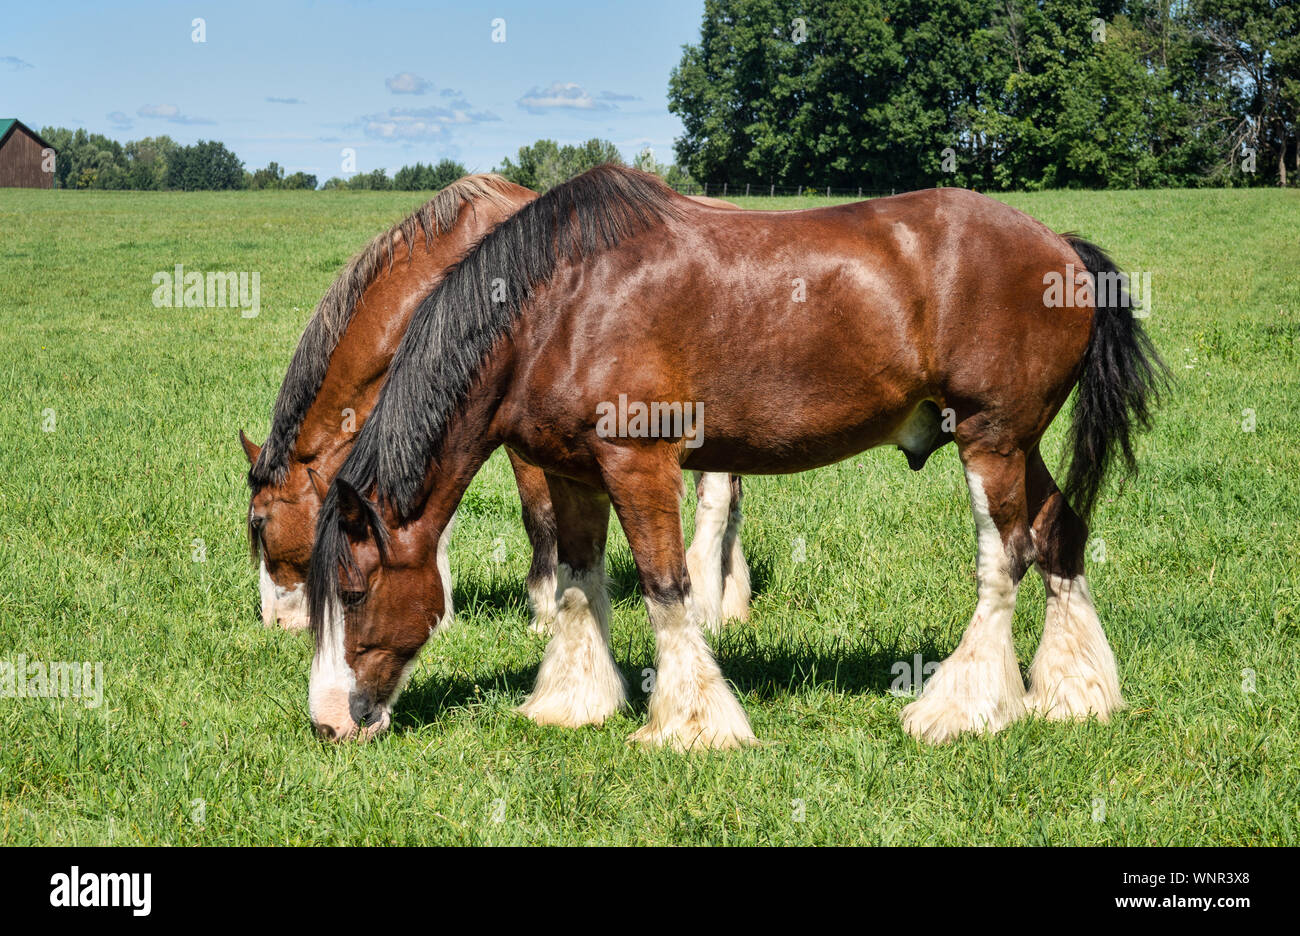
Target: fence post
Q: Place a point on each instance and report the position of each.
(828, 191)
(773, 191)
(859, 191)
(706, 188)
(893, 191)
(724, 189)
(801, 191)
(746, 189)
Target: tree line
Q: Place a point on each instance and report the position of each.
(94, 161)
(1003, 94)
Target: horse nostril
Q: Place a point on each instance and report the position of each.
(364, 709)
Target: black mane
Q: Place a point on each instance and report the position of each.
(334, 314)
(455, 328)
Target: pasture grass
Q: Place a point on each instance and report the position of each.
(203, 735)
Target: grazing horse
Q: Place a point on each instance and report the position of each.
(913, 321)
(332, 384)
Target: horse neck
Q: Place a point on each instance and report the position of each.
(361, 359)
(469, 441)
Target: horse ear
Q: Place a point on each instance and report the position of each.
(320, 484)
(251, 448)
(352, 508)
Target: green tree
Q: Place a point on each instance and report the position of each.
(545, 164)
(528, 170)
(272, 177)
(985, 93)
(424, 178)
(784, 91)
(300, 180)
(374, 181)
(147, 161)
(207, 165)
(1257, 43)
(87, 160)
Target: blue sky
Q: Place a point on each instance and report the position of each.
(298, 82)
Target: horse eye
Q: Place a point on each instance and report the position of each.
(353, 598)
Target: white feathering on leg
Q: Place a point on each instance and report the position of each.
(704, 560)
(978, 688)
(578, 683)
(1074, 673)
(736, 593)
(541, 598)
(691, 705)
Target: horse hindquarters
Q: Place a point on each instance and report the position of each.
(1021, 517)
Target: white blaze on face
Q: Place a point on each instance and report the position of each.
(267, 589)
(286, 606)
(332, 680)
(291, 607)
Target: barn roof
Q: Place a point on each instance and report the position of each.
(7, 125)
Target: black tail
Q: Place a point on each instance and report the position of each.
(1121, 380)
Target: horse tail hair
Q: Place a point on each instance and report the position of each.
(1120, 382)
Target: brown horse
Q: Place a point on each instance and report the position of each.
(813, 335)
(333, 382)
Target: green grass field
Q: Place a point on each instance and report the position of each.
(203, 735)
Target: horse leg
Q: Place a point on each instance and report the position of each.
(691, 705)
(716, 562)
(735, 571)
(1073, 673)
(444, 571)
(978, 688)
(578, 682)
(705, 558)
(539, 524)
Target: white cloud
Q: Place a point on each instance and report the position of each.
(165, 111)
(561, 94)
(120, 120)
(421, 123)
(14, 63)
(408, 83)
(170, 113)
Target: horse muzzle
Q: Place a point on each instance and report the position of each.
(338, 715)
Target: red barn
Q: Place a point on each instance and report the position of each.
(23, 157)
